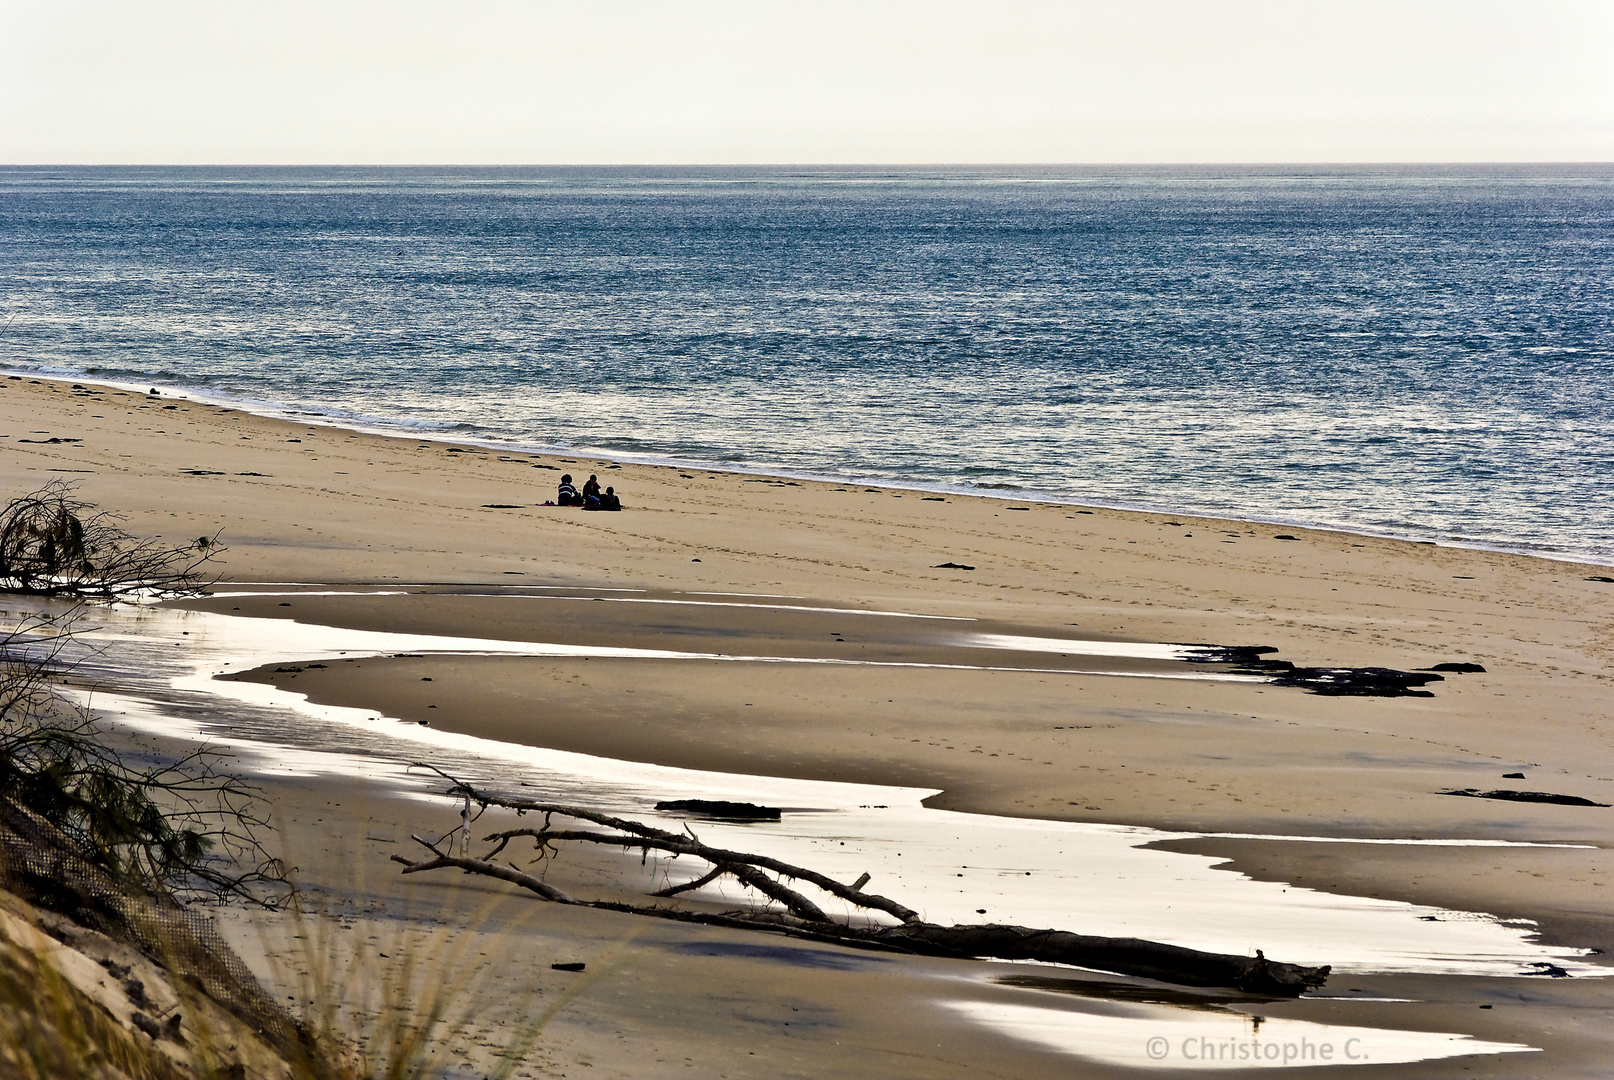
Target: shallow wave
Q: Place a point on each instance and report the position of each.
(1416, 351)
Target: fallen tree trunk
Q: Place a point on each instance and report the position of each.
(804, 918)
(1124, 956)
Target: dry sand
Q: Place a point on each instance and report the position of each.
(314, 504)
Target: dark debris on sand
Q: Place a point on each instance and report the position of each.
(1524, 796)
(721, 808)
(1326, 681)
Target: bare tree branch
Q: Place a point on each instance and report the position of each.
(486, 869)
(699, 883)
(804, 918)
(53, 544)
(186, 825)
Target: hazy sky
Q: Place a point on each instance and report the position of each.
(502, 81)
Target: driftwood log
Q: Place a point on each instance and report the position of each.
(803, 918)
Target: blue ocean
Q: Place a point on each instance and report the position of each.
(1424, 351)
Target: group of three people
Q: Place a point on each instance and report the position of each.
(590, 498)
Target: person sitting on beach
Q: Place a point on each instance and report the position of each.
(607, 501)
(568, 495)
(591, 490)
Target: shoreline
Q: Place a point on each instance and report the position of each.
(302, 502)
(658, 544)
(398, 429)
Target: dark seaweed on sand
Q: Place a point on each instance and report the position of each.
(1325, 681)
(1508, 795)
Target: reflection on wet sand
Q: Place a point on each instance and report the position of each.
(947, 865)
(1150, 1036)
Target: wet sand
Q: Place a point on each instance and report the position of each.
(670, 999)
(314, 504)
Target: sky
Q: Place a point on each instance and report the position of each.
(875, 81)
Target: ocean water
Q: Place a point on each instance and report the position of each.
(1421, 351)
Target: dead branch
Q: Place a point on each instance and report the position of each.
(487, 869)
(645, 837)
(186, 825)
(737, 863)
(803, 918)
(699, 883)
(54, 544)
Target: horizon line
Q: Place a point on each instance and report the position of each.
(1319, 163)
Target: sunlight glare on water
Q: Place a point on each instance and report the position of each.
(1418, 350)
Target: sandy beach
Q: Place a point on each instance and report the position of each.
(901, 672)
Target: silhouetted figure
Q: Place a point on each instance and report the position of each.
(568, 496)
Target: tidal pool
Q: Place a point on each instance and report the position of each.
(951, 867)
